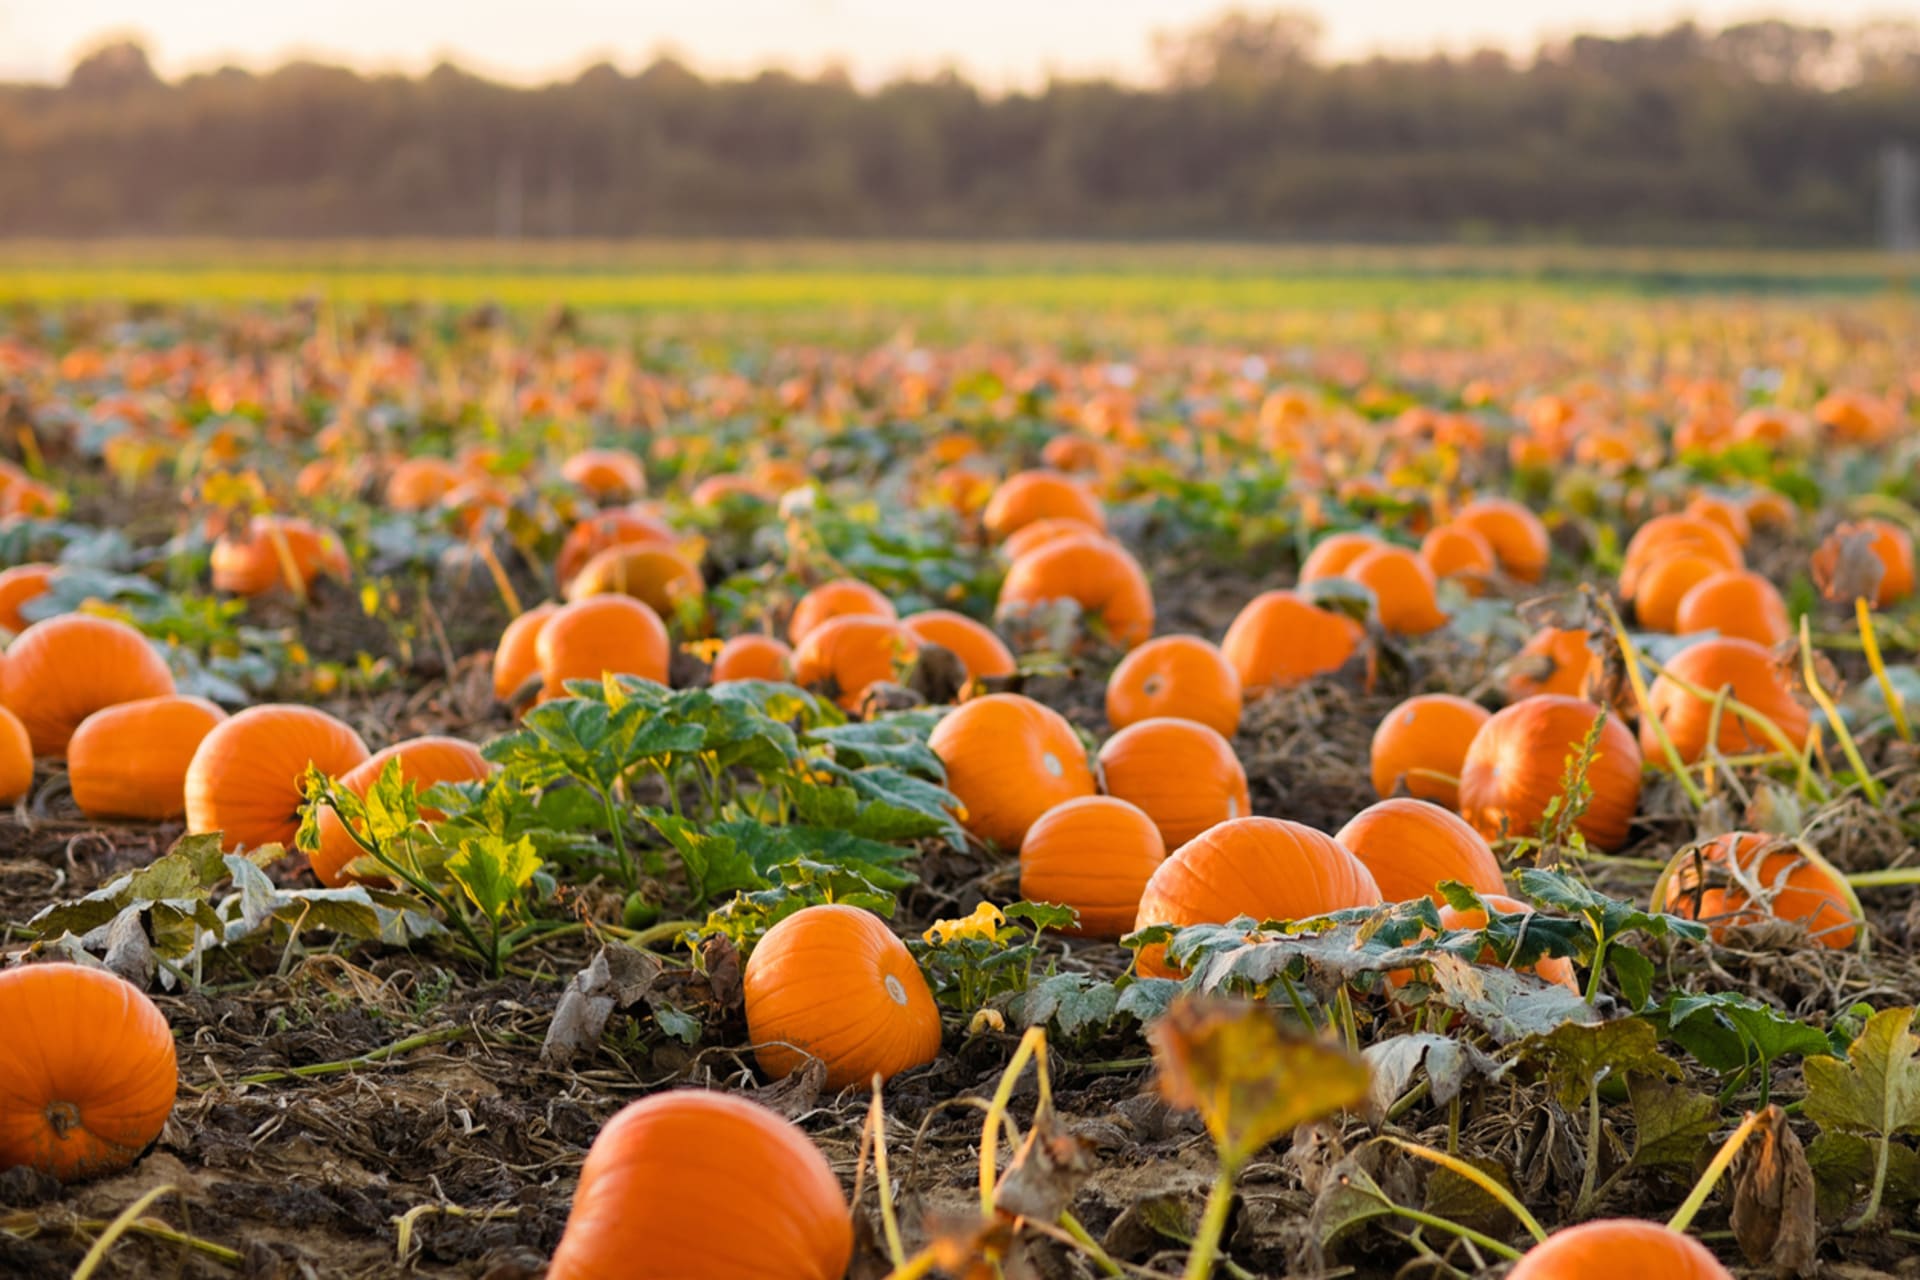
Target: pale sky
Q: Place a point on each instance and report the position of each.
(999, 42)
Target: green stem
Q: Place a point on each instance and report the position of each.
(1883, 1149)
(628, 877)
(1486, 1242)
(1071, 1225)
(446, 1035)
(1583, 1203)
(1213, 1225)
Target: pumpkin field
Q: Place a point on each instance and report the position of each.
(1223, 777)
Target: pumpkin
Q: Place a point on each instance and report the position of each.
(1744, 877)
(619, 527)
(1281, 639)
(16, 758)
(838, 598)
(1518, 538)
(1612, 1248)
(1030, 538)
(656, 576)
(1769, 509)
(18, 586)
(1179, 676)
(1421, 746)
(1180, 773)
(131, 760)
(984, 654)
(675, 1186)
(727, 489)
(1752, 677)
(1009, 760)
(1556, 660)
(516, 659)
(1266, 868)
(832, 982)
(245, 776)
(1458, 553)
(275, 553)
(1725, 512)
(1664, 535)
(752, 658)
(1853, 417)
(1736, 603)
(599, 636)
(1078, 453)
(417, 484)
(1027, 496)
(605, 475)
(1410, 846)
(61, 670)
(847, 655)
(425, 763)
(1334, 554)
(1555, 969)
(1518, 759)
(1094, 854)
(1402, 587)
(1095, 573)
(1889, 543)
(87, 1071)
(1665, 583)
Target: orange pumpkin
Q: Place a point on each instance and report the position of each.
(1095, 573)
(849, 654)
(1744, 877)
(1612, 1248)
(1410, 846)
(131, 760)
(622, 526)
(276, 553)
(1458, 553)
(832, 982)
(727, 488)
(984, 654)
(1662, 536)
(424, 762)
(87, 1071)
(1739, 604)
(1179, 676)
(516, 660)
(1518, 538)
(19, 585)
(1725, 512)
(753, 657)
(1094, 854)
(605, 475)
(1518, 759)
(1402, 587)
(1180, 773)
(598, 636)
(1556, 660)
(675, 1185)
(1281, 639)
(1009, 760)
(1666, 582)
(1752, 677)
(1266, 868)
(244, 778)
(1891, 544)
(659, 577)
(1334, 554)
(1027, 496)
(1422, 744)
(1031, 537)
(417, 484)
(1555, 969)
(838, 598)
(1769, 509)
(16, 758)
(61, 670)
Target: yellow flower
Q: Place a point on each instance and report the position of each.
(297, 653)
(984, 923)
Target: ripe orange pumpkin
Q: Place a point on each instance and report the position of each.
(1461, 554)
(1753, 677)
(516, 659)
(1422, 745)
(1710, 882)
(1662, 536)
(424, 762)
(61, 670)
(1740, 604)
(600, 635)
(1029, 538)
(849, 654)
(1009, 760)
(984, 654)
(1403, 590)
(605, 475)
(621, 526)
(1665, 583)
(1556, 969)
(130, 760)
(659, 577)
(1266, 868)
(276, 553)
(838, 598)
(417, 484)
(1611, 1248)
(244, 778)
(752, 657)
(1410, 846)
(1094, 854)
(1555, 660)
(1725, 512)
(1180, 773)
(1889, 542)
(1518, 759)
(19, 585)
(675, 1185)
(1334, 554)
(16, 758)
(1027, 496)
(1770, 509)
(1518, 538)
(87, 1071)
(832, 982)
(1282, 639)
(1096, 573)
(1179, 676)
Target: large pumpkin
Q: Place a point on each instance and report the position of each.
(19, 586)
(1518, 760)
(676, 1185)
(1750, 675)
(849, 654)
(87, 1071)
(1421, 746)
(1281, 639)
(1457, 553)
(1180, 773)
(1744, 877)
(1009, 760)
(984, 654)
(605, 475)
(1179, 676)
(1617, 1248)
(244, 779)
(1094, 854)
(832, 982)
(752, 657)
(839, 598)
(16, 758)
(1664, 536)
(657, 576)
(1554, 660)
(131, 760)
(1403, 589)
(276, 553)
(1410, 847)
(598, 636)
(61, 670)
(424, 763)
(1095, 573)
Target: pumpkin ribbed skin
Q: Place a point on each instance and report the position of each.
(842, 597)
(16, 758)
(605, 475)
(516, 659)
(849, 654)
(1555, 969)
(1009, 760)
(1665, 583)
(676, 1185)
(244, 779)
(1711, 665)
(61, 670)
(1027, 496)
(1180, 773)
(18, 586)
(424, 762)
(1281, 639)
(1267, 868)
(753, 658)
(1738, 604)
(1094, 854)
(1518, 759)
(131, 760)
(1555, 660)
(601, 635)
(623, 526)
(1616, 1248)
(1702, 887)
(1403, 590)
(832, 982)
(657, 576)
(1723, 511)
(1334, 554)
(1518, 538)
(251, 563)
(1421, 745)
(1096, 573)
(984, 654)
(87, 1071)
(1411, 846)
(1179, 676)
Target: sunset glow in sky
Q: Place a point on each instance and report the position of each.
(1001, 42)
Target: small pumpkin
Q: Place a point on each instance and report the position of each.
(1421, 746)
(19, 586)
(606, 475)
(1179, 676)
(1094, 854)
(1008, 760)
(601, 635)
(1281, 639)
(1612, 1248)
(1726, 512)
(849, 654)
(245, 776)
(1745, 877)
(832, 982)
(276, 553)
(419, 484)
(1334, 554)
(1029, 538)
(1403, 590)
(1737, 603)
(1096, 573)
(424, 763)
(131, 760)
(839, 598)
(1518, 538)
(16, 758)
(516, 659)
(61, 670)
(1410, 847)
(1027, 496)
(1556, 660)
(623, 526)
(984, 654)
(1891, 545)
(1518, 760)
(1458, 553)
(1663, 536)
(1665, 583)
(752, 657)
(1750, 675)
(659, 577)
(1180, 773)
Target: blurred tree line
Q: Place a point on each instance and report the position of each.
(1760, 133)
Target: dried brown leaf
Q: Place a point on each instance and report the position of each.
(1773, 1198)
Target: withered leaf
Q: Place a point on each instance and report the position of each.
(1773, 1198)
(1672, 1124)
(1045, 1174)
